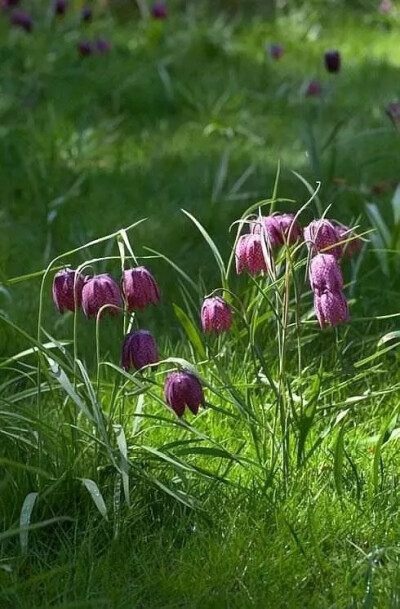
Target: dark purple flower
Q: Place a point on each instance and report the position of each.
(321, 235)
(314, 89)
(86, 13)
(393, 112)
(278, 228)
(22, 20)
(276, 51)
(99, 291)
(325, 274)
(8, 3)
(332, 61)
(183, 389)
(249, 254)
(352, 243)
(331, 308)
(216, 315)
(67, 290)
(159, 11)
(103, 46)
(60, 6)
(139, 350)
(139, 288)
(85, 48)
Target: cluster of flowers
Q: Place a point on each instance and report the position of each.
(100, 294)
(327, 242)
(23, 20)
(332, 60)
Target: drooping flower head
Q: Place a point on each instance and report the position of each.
(139, 349)
(183, 389)
(103, 46)
(216, 315)
(85, 48)
(99, 291)
(332, 61)
(325, 274)
(22, 20)
(86, 13)
(321, 235)
(249, 254)
(314, 89)
(331, 308)
(60, 7)
(278, 228)
(67, 290)
(276, 51)
(353, 243)
(139, 288)
(159, 11)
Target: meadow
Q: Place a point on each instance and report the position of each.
(156, 150)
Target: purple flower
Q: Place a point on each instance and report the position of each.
(325, 274)
(249, 254)
(22, 20)
(353, 243)
(86, 13)
(183, 389)
(60, 6)
(67, 290)
(99, 291)
(332, 61)
(159, 11)
(216, 315)
(9, 3)
(103, 46)
(385, 7)
(85, 48)
(139, 350)
(139, 288)
(331, 308)
(276, 51)
(314, 89)
(393, 112)
(320, 235)
(278, 228)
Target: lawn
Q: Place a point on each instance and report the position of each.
(281, 492)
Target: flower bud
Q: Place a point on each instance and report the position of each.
(67, 290)
(325, 274)
(216, 315)
(249, 254)
(138, 350)
(99, 291)
(321, 235)
(331, 308)
(139, 288)
(85, 48)
(86, 13)
(183, 389)
(332, 61)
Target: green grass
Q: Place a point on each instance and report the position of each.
(236, 507)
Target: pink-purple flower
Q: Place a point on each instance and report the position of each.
(393, 112)
(183, 389)
(276, 51)
(67, 290)
(351, 243)
(331, 308)
(22, 20)
(249, 254)
(139, 288)
(159, 11)
(277, 228)
(101, 291)
(139, 349)
(320, 235)
(85, 48)
(325, 274)
(86, 13)
(216, 315)
(60, 7)
(314, 89)
(103, 46)
(332, 61)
